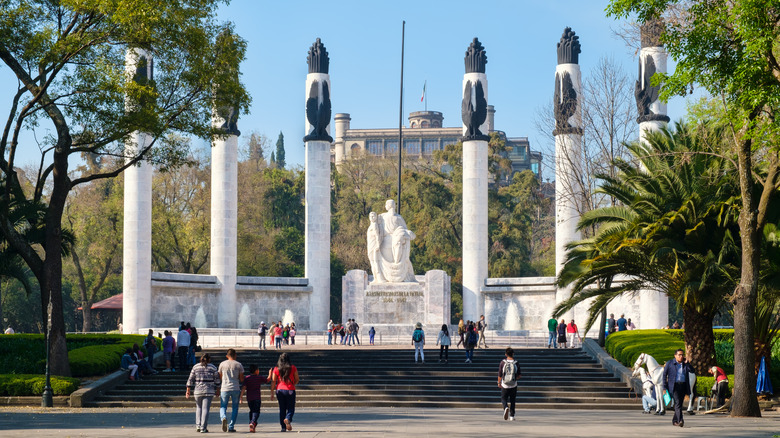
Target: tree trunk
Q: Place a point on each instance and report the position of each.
(602, 328)
(699, 339)
(52, 264)
(86, 315)
(744, 402)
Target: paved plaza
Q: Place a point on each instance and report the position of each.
(379, 422)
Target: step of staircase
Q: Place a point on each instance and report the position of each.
(388, 377)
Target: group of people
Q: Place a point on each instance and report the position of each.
(232, 386)
(479, 327)
(563, 334)
(619, 325)
(347, 333)
(676, 382)
(468, 337)
(281, 334)
(136, 362)
(183, 346)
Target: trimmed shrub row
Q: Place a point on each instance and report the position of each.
(30, 384)
(89, 354)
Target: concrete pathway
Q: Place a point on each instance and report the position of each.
(379, 422)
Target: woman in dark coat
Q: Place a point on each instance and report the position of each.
(562, 333)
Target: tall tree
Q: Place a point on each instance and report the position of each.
(94, 214)
(69, 61)
(672, 230)
(730, 48)
(280, 151)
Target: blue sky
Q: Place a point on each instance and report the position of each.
(363, 39)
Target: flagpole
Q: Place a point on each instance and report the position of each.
(401, 118)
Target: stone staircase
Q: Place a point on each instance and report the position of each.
(388, 377)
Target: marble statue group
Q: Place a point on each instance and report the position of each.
(389, 242)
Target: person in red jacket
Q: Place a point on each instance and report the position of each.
(721, 385)
(573, 333)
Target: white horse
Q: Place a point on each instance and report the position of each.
(656, 374)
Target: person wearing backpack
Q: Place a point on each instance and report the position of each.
(508, 373)
(444, 340)
(418, 340)
(262, 331)
(471, 342)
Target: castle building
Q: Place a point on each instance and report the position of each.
(424, 135)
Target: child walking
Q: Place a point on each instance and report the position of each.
(251, 387)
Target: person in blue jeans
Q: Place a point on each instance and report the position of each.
(284, 377)
(231, 373)
(552, 329)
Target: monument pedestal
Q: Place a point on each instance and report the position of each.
(394, 308)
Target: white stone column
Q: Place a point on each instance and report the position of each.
(568, 155)
(137, 246)
(475, 185)
(317, 197)
(654, 309)
(224, 223)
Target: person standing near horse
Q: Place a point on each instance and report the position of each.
(676, 381)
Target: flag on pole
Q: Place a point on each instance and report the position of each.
(423, 93)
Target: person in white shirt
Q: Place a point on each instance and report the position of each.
(9, 331)
(444, 340)
(183, 344)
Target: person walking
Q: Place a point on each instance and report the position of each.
(150, 343)
(203, 384)
(418, 340)
(611, 324)
(552, 328)
(622, 324)
(231, 373)
(444, 340)
(371, 334)
(191, 359)
(470, 343)
(574, 334)
(562, 333)
(278, 336)
(169, 351)
(251, 389)
(284, 377)
(721, 385)
(676, 381)
(183, 342)
(262, 332)
(461, 333)
(482, 326)
(356, 331)
(508, 373)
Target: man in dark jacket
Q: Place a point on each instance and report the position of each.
(676, 381)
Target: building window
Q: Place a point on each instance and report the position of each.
(412, 147)
(375, 147)
(354, 149)
(429, 146)
(391, 147)
(535, 168)
(424, 124)
(447, 141)
(436, 124)
(414, 124)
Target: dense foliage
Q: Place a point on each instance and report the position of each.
(33, 384)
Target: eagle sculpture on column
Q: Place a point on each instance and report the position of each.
(474, 110)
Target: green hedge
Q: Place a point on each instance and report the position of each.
(26, 353)
(29, 384)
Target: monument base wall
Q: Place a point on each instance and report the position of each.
(394, 308)
(195, 299)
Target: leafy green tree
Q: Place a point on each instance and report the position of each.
(730, 48)
(181, 219)
(68, 58)
(94, 214)
(273, 159)
(280, 151)
(673, 230)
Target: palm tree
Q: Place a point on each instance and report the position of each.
(673, 230)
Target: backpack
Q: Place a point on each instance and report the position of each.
(262, 330)
(417, 336)
(472, 338)
(510, 373)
